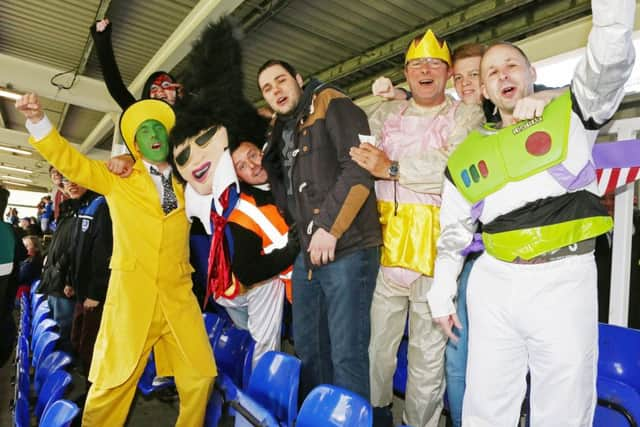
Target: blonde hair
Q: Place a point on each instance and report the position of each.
(35, 241)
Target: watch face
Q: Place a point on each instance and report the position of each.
(393, 169)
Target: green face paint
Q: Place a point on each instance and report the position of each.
(153, 140)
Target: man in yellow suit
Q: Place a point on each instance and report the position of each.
(149, 303)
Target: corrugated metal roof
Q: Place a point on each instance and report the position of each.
(314, 35)
(52, 32)
(139, 28)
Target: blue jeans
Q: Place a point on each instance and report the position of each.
(332, 321)
(62, 312)
(456, 353)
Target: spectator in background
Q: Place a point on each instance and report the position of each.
(27, 227)
(45, 214)
(12, 217)
(11, 253)
(31, 267)
(55, 275)
(58, 194)
(89, 271)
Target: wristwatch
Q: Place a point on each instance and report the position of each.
(394, 170)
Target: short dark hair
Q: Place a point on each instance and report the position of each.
(4, 199)
(511, 45)
(270, 63)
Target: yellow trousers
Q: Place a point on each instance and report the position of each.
(110, 407)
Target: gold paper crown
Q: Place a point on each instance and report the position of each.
(428, 47)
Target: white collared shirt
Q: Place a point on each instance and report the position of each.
(157, 180)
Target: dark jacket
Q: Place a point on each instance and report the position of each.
(89, 274)
(330, 190)
(55, 274)
(30, 270)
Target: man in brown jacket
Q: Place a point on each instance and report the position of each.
(330, 198)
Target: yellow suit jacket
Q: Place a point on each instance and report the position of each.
(149, 266)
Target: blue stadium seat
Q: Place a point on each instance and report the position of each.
(59, 414)
(233, 346)
(25, 320)
(618, 382)
(247, 364)
(44, 346)
(56, 361)
(250, 413)
(23, 303)
(618, 404)
(42, 312)
(23, 383)
(274, 385)
(214, 409)
(247, 411)
(400, 375)
(21, 380)
(332, 406)
(23, 351)
(214, 326)
(36, 301)
(34, 287)
(146, 383)
(21, 412)
(53, 389)
(44, 326)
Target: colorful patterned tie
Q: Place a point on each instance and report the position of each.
(169, 201)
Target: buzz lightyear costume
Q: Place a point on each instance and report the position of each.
(532, 300)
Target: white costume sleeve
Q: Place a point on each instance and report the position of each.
(598, 82)
(456, 233)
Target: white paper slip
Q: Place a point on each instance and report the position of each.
(371, 139)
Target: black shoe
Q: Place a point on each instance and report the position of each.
(167, 395)
(382, 416)
(80, 400)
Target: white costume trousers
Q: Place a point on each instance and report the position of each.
(536, 317)
(263, 306)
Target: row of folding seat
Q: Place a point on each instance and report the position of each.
(271, 396)
(268, 394)
(41, 375)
